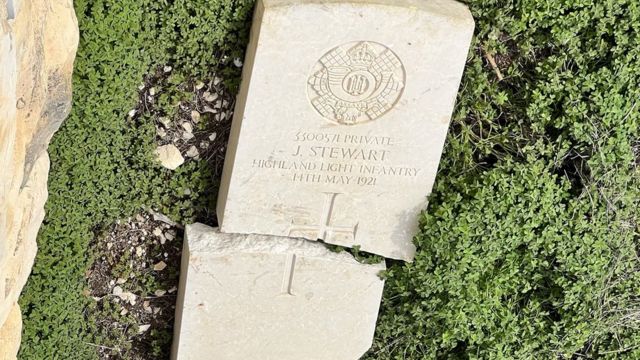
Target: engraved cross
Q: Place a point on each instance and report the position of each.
(324, 227)
(287, 277)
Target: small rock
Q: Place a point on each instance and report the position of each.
(127, 296)
(187, 192)
(109, 245)
(143, 328)
(208, 109)
(132, 113)
(172, 290)
(170, 235)
(139, 251)
(156, 310)
(165, 122)
(111, 283)
(159, 293)
(169, 156)
(157, 231)
(187, 126)
(199, 85)
(162, 240)
(152, 91)
(187, 135)
(141, 87)
(160, 266)
(218, 104)
(195, 116)
(209, 97)
(124, 312)
(139, 218)
(204, 145)
(161, 133)
(237, 62)
(163, 218)
(121, 281)
(167, 68)
(117, 291)
(217, 81)
(192, 152)
(213, 136)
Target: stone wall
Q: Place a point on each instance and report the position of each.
(38, 42)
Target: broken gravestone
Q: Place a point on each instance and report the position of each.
(255, 296)
(341, 119)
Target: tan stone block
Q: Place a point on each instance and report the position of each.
(341, 119)
(38, 41)
(272, 298)
(10, 334)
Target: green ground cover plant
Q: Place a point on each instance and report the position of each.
(529, 246)
(102, 167)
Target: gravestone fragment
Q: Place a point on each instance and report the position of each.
(263, 297)
(341, 119)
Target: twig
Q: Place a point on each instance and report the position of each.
(492, 61)
(620, 350)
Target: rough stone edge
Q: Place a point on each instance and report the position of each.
(238, 114)
(10, 334)
(445, 8)
(55, 108)
(205, 239)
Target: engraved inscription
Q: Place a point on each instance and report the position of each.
(333, 158)
(356, 82)
(324, 229)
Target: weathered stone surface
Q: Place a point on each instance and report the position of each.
(263, 297)
(38, 41)
(341, 119)
(10, 334)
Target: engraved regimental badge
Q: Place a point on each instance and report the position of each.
(356, 82)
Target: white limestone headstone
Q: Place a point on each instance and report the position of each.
(341, 119)
(272, 298)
